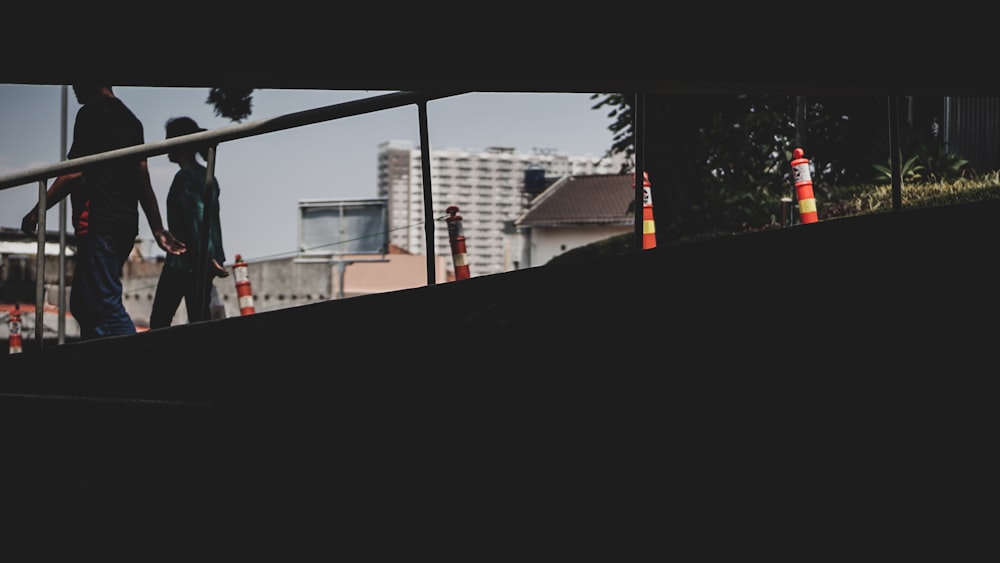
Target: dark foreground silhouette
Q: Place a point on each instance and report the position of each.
(822, 385)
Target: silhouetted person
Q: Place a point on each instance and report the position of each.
(193, 216)
(105, 198)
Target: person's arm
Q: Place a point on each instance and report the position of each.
(147, 199)
(57, 192)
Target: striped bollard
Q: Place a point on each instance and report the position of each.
(244, 292)
(804, 187)
(457, 240)
(648, 224)
(14, 325)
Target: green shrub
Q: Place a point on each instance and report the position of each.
(878, 198)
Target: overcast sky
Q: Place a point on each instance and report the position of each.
(263, 178)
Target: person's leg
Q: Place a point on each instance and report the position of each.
(169, 292)
(80, 294)
(198, 309)
(110, 254)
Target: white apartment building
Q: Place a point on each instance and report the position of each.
(488, 186)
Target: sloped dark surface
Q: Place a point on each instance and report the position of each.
(829, 383)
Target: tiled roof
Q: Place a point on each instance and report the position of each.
(594, 199)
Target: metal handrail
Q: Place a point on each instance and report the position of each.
(212, 137)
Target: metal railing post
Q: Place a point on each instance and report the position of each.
(40, 265)
(425, 166)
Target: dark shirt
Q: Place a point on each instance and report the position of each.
(185, 219)
(111, 188)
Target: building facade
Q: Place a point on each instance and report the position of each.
(574, 211)
(491, 188)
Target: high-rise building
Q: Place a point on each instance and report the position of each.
(491, 187)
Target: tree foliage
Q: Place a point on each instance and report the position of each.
(233, 103)
(721, 163)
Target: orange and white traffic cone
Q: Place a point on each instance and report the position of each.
(804, 187)
(457, 240)
(14, 326)
(243, 290)
(648, 224)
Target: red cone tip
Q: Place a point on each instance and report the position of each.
(797, 153)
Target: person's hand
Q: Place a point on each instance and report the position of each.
(29, 223)
(217, 269)
(168, 242)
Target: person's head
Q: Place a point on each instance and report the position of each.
(86, 93)
(180, 126)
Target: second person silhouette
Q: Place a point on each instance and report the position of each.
(192, 217)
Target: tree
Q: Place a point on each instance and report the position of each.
(232, 102)
(711, 159)
(722, 162)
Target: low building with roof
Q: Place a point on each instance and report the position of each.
(572, 212)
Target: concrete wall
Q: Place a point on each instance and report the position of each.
(289, 282)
